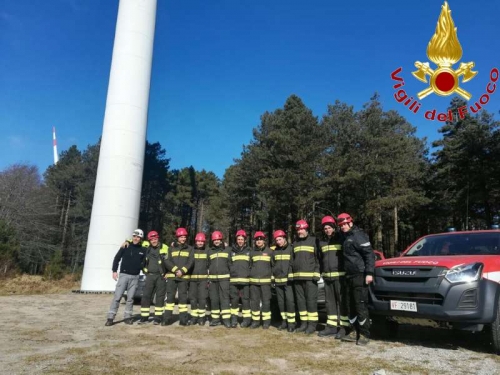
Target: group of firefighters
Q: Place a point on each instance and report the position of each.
(343, 257)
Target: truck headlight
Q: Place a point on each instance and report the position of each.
(465, 273)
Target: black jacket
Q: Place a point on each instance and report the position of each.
(180, 257)
(281, 262)
(305, 264)
(200, 268)
(331, 257)
(240, 265)
(260, 263)
(358, 252)
(219, 262)
(131, 258)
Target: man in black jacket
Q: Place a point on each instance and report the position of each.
(131, 262)
(359, 264)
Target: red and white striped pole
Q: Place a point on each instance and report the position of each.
(54, 142)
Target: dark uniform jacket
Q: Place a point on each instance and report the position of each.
(240, 265)
(260, 263)
(281, 262)
(131, 258)
(305, 264)
(180, 257)
(219, 262)
(200, 268)
(154, 261)
(358, 252)
(331, 257)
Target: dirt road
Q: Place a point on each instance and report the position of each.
(65, 334)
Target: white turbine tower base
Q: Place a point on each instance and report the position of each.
(115, 211)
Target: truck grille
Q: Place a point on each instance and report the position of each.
(424, 298)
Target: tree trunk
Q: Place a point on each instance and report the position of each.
(378, 235)
(65, 228)
(199, 224)
(396, 233)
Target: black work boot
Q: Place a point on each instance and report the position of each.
(129, 321)
(311, 328)
(301, 328)
(109, 323)
(201, 321)
(266, 324)
(340, 334)
(291, 327)
(183, 319)
(144, 320)
(283, 326)
(351, 336)
(363, 340)
(157, 320)
(193, 321)
(234, 321)
(255, 324)
(328, 331)
(246, 322)
(227, 323)
(166, 319)
(215, 322)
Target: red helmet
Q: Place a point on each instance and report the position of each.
(200, 237)
(344, 218)
(278, 233)
(153, 234)
(241, 232)
(328, 220)
(217, 235)
(301, 224)
(259, 234)
(181, 232)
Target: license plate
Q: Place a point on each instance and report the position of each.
(404, 306)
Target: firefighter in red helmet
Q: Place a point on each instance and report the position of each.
(240, 280)
(359, 264)
(332, 271)
(306, 275)
(179, 262)
(198, 291)
(219, 274)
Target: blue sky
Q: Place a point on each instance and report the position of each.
(219, 65)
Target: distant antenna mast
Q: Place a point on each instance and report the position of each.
(54, 141)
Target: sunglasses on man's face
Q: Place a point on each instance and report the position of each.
(135, 235)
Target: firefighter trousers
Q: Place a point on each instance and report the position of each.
(181, 287)
(155, 284)
(236, 292)
(336, 310)
(219, 299)
(357, 303)
(306, 292)
(258, 294)
(198, 294)
(286, 302)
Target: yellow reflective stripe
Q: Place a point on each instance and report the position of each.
(241, 257)
(331, 248)
(306, 274)
(333, 274)
(309, 249)
(199, 276)
(200, 256)
(239, 280)
(172, 276)
(265, 258)
(219, 255)
(284, 280)
(184, 269)
(290, 275)
(184, 254)
(145, 270)
(175, 268)
(282, 257)
(260, 280)
(175, 253)
(218, 276)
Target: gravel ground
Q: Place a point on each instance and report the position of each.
(65, 334)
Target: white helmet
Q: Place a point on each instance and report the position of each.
(138, 232)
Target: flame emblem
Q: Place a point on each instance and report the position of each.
(444, 50)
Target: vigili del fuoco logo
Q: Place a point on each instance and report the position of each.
(444, 50)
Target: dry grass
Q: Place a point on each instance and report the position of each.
(29, 284)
